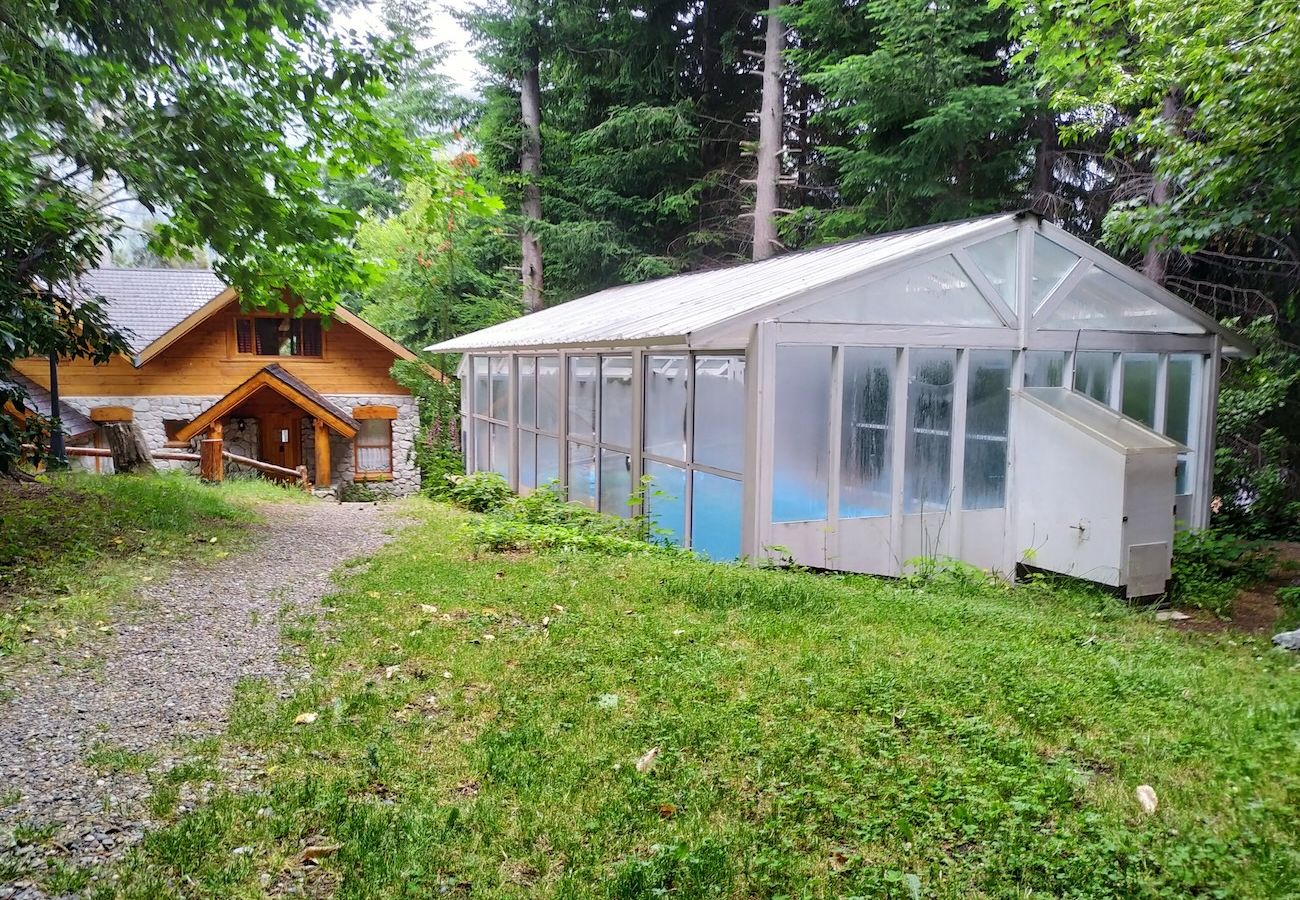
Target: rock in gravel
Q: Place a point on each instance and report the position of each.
(1288, 640)
(164, 675)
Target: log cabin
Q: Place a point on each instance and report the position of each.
(291, 390)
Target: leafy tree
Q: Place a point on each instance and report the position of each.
(438, 260)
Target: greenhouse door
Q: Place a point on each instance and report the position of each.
(833, 457)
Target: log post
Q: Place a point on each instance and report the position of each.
(322, 432)
(128, 448)
(303, 481)
(212, 465)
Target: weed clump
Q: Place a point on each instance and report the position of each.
(1211, 566)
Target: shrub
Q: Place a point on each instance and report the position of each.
(355, 492)
(479, 492)
(1211, 566)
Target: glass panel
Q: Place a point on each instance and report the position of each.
(616, 400)
(1103, 302)
(582, 474)
(500, 450)
(865, 436)
(716, 504)
(1044, 368)
(527, 459)
(481, 459)
(665, 405)
(997, 260)
(548, 394)
(1092, 374)
(615, 482)
(500, 386)
(481, 383)
(1182, 388)
(988, 408)
(801, 477)
(665, 502)
(1140, 387)
(548, 460)
(1182, 395)
(1051, 263)
(935, 293)
(720, 412)
(582, 397)
(928, 464)
(528, 391)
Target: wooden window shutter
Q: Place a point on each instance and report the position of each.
(244, 335)
(311, 340)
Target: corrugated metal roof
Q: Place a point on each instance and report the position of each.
(146, 303)
(75, 424)
(679, 305)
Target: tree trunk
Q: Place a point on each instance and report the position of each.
(1042, 187)
(530, 166)
(130, 452)
(1155, 261)
(770, 135)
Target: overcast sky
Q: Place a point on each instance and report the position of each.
(460, 64)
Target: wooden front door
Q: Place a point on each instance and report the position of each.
(280, 435)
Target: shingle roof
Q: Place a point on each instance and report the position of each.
(38, 398)
(679, 305)
(146, 303)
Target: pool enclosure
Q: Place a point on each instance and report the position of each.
(856, 406)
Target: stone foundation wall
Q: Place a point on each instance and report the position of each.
(150, 413)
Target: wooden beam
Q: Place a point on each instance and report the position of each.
(112, 414)
(322, 435)
(212, 465)
(227, 404)
(374, 411)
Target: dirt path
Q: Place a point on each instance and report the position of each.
(168, 675)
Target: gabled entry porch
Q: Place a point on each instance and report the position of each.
(269, 414)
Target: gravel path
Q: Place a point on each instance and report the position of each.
(167, 675)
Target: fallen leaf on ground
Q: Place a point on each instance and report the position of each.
(647, 760)
(558, 608)
(428, 608)
(317, 852)
(390, 671)
(667, 810)
(304, 718)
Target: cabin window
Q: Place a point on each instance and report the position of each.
(374, 448)
(278, 336)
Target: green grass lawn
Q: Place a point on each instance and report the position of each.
(74, 545)
(812, 736)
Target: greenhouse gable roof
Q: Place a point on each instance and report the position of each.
(680, 305)
(700, 308)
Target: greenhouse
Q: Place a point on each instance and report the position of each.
(993, 390)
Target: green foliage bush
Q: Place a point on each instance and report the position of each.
(353, 492)
(543, 520)
(479, 492)
(1255, 471)
(1211, 566)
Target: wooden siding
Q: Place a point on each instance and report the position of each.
(204, 363)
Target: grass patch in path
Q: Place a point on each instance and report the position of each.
(73, 545)
(575, 725)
